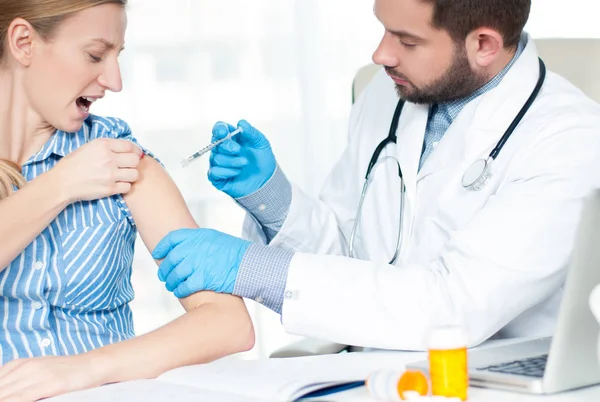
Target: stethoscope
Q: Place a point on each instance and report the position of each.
(475, 177)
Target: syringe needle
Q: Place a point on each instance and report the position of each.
(185, 162)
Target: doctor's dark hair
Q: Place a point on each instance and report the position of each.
(461, 17)
(45, 16)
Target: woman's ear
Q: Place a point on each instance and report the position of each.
(20, 37)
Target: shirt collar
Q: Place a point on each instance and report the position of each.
(453, 108)
(61, 144)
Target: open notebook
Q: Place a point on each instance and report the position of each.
(233, 380)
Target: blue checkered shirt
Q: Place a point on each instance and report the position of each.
(263, 271)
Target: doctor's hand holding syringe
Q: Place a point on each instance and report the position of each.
(241, 159)
(242, 166)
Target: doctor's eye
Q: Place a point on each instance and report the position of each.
(408, 45)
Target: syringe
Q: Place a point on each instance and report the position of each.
(185, 162)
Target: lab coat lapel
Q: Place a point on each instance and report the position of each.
(481, 123)
(410, 134)
(500, 106)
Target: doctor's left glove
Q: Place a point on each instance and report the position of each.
(243, 164)
(199, 259)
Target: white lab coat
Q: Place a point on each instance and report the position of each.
(493, 260)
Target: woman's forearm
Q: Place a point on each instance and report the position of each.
(215, 328)
(26, 213)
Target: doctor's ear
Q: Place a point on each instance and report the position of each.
(20, 41)
(484, 46)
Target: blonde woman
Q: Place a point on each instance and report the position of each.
(75, 188)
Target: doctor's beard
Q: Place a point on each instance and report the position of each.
(457, 82)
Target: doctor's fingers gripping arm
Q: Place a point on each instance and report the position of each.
(205, 259)
(508, 259)
(214, 325)
(100, 168)
(199, 259)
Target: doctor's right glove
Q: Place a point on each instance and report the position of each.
(243, 164)
(199, 259)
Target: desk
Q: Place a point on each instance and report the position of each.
(273, 379)
(590, 394)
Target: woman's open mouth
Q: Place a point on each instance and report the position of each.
(84, 103)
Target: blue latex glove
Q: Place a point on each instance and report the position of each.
(242, 165)
(199, 259)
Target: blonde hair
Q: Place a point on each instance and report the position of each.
(44, 16)
(10, 175)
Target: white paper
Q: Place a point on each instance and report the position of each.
(149, 391)
(233, 380)
(289, 378)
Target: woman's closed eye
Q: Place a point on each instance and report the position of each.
(94, 58)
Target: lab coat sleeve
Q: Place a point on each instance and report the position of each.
(329, 217)
(509, 258)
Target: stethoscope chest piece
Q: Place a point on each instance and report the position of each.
(478, 174)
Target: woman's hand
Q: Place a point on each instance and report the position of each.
(27, 380)
(100, 168)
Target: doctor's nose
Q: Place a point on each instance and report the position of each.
(386, 53)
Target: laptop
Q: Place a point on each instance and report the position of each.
(569, 359)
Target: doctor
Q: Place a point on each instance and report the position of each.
(476, 181)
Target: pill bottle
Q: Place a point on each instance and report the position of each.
(447, 355)
(393, 385)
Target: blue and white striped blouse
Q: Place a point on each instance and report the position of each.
(68, 291)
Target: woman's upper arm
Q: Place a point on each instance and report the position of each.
(156, 204)
(157, 207)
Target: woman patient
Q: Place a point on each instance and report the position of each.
(74, 190)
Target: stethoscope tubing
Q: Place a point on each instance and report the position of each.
(481, 180)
